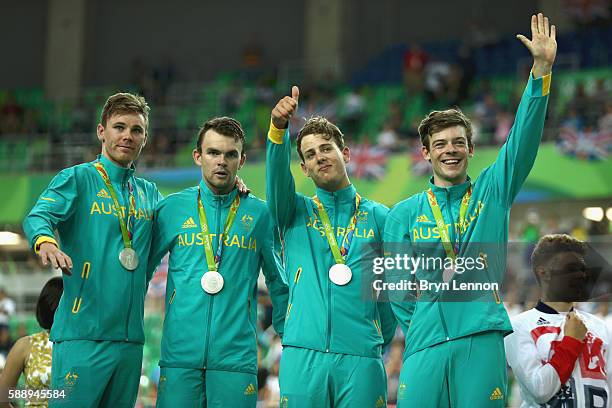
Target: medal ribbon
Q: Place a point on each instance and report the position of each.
(339, 253)
(212, 260)
(451, 250)
(126, 226)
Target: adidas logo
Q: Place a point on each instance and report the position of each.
(103, 194)
(542, 321)
(422, 218)
(249, 390)
(496, 394)
(190, 223)
(380, 402)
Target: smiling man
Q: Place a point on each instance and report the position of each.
(454, 355)
(218, 242)
(334, 330)
(102, 214)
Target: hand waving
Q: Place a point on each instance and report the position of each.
(543, 44)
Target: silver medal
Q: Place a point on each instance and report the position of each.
(212, 282)
(340, 274)
(128, 259)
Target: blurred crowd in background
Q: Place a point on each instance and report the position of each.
(378, 109)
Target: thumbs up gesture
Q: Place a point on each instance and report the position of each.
(285, 108)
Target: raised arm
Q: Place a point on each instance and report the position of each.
(517, 156)
(280, 186)
(55, 205)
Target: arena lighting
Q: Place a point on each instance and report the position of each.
(9, 238)
(593, 213)
(609, 213)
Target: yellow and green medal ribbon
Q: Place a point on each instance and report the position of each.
(213, 259)
(451, 251)
(125, 231)
(338, 253)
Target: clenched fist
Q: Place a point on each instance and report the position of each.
(285, 108)
(574, 327)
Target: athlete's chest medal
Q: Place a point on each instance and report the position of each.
(212, 282)
(128, 259)
(340, 274)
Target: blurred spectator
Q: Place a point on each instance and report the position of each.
(581, 103)
(487, 112)
(7, 307)
(605, 122)
(437, 77)
(467, 65)
(415, 60)
(387, 138)
(351, 111)
(11, 115)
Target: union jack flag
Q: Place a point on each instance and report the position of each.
(585, 144)
(367, 162)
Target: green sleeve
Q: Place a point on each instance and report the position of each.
(397, 241)
(162, 238)
(274, 276)
(280, 186)
(517, 156)
(388, 323)
(55, 205)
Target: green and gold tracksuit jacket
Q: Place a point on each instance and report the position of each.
(441, 315)
(102, 300)
(321, 315)
(215, 332)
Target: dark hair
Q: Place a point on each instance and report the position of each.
(47, 302)
(125, 103)
(319, 125)
(225, 126)
(437, 121)
(552, 244)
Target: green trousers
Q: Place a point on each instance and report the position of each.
(468, 372)
(193, 388)
(313, 379)
(96, 373)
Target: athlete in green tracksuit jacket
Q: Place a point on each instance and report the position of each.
(334, 330)
(454, 355)
(209, 350)
(98, 328)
